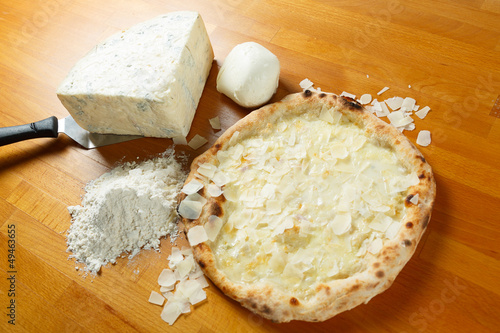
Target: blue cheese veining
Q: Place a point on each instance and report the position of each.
(146, 80)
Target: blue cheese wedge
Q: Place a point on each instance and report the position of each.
(146, 80)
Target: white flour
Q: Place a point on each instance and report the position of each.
(129, 208)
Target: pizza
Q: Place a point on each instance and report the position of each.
(307, 207)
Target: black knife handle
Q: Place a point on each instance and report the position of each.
(46, 128)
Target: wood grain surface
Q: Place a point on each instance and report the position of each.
(443, 53)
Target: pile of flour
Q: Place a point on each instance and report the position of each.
(127, 209)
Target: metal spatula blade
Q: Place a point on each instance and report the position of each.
(51, 127)
(89, 140)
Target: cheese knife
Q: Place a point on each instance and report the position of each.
(51, 127)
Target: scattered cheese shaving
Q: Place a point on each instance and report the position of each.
(189, 289)
(190, 209)
(207, 170)
(346, 94)
(383, 90)
(414, 199)
(167, 278)
(215, 123)
(424, 138)
(171, 312)
(212, 227)
(423, 112)
(395, 102)
(365, 99)
(156, 298)
(179, 140)
(197, 235)
(164, 289)
(214, 190)
(202, 281)
(220, 179)
(375, 246)
(185, 266)
(408, 104)
(341, 224)
(306, 84)
(192, 187)
(197, 141)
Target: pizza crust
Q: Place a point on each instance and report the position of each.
(339, 295)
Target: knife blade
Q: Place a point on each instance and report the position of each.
(51, 127)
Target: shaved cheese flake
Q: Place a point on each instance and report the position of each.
(410, 127)
(197, 235)
(384, 111)
(393, 230)
(395, 117)
(341, 224)
(424, 138)
(394, 103)
(334, 270)
(167, 278)
(214, 190)
(293, 273)
(175, 256)
(220, 179)
(414, 199)
(408, 104)
(268, 191)
(286, 224)
(156, 298)
(380, 223)
(422, 113)
(185, 250)
(306, 84)
(346, 94)
(215, 123)
(212, 227)
(164, 289)
(171, 312)
(185, 267)
(377, 107)
(179, 140)
(196, 272)
(383, 90)
(398, 119)
(206, 169)
(326, 115)
(190, 209)
(405, 121)
(197, 141)
(375, 246)
(273, 207)
(365, 99)
(189, 289)
(196, 197)
(185, 306)
(231, 193)
(339, 151)
(192, 187)
(202, 281)
(277, 262)
(234, 138)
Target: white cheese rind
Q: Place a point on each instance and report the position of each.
(146, 80)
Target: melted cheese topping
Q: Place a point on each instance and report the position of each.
(307, 200)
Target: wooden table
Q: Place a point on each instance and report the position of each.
(445, 54)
